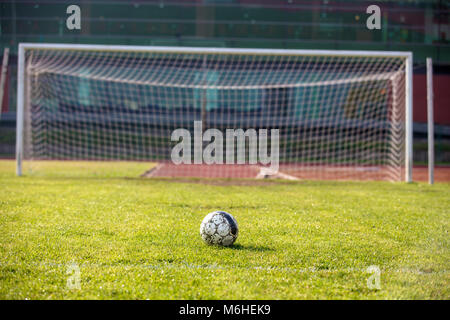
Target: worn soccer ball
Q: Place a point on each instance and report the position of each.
(219, 228)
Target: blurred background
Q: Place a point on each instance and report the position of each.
(419, 26)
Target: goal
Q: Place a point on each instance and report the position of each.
(338, 114)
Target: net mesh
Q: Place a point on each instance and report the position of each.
(339, 117)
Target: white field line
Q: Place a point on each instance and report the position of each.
(270, 173)
(153, 171)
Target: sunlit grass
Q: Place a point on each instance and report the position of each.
(139, 238)
(85, 169)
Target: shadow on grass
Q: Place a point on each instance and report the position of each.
(250, 248)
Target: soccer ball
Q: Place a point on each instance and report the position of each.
(219, 228)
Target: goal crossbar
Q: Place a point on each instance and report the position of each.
(208, 50)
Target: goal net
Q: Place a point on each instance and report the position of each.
(338, 114)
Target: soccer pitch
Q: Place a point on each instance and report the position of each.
(137, 238)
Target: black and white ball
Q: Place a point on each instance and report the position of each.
(219, 228)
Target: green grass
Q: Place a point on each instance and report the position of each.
(136, 238)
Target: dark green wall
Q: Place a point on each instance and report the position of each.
(418, 26)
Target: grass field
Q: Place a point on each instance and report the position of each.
(135, 238)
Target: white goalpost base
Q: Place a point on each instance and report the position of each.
(341, 114)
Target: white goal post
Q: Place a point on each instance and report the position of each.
(339, 111)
